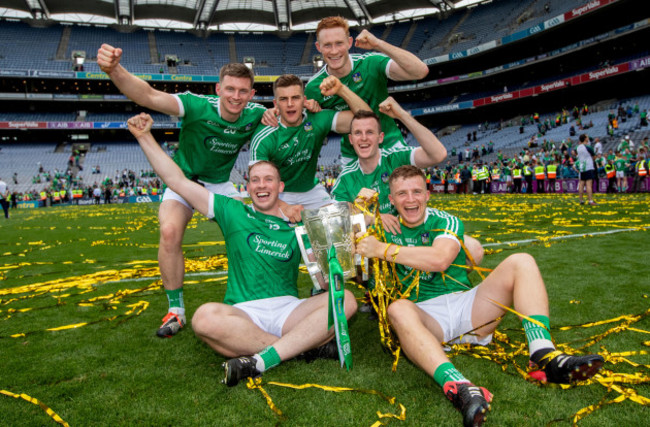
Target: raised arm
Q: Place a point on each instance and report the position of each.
(195, 194)
(333, 86)
(405, 66)
(136, 89)
(431, 151)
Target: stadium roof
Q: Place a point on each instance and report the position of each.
(236, 15)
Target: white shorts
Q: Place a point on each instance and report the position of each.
(269, 314)
(620, 174)
(508, 178)
(453, 312)
(224, 188)
(315, 198)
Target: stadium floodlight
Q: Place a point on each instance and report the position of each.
(317, 60)
(78, 59)
(249, 61)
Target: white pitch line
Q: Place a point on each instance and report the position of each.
(569, 236)
(517, 242)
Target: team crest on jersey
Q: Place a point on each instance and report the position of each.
(384, 177)
(424, 238)
(309, 127)
(248, 127)
(356, 77)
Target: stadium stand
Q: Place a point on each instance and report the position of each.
(50, 49)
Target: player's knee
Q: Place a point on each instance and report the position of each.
(351, 304)
(203, 321)
(398, 309)
(521, 261)
(170, 234)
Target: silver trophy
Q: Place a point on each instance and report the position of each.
(324, 227)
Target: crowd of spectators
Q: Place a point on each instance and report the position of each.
(540, 158)
(69, 186)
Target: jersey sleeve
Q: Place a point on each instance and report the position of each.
(452, 227)
(327, 118)
(341, 191)
(188, 105)
(380, 63)
(260, 144)
(401, 156)
(218, 208)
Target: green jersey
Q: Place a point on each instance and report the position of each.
(620, 164)
(352, 179)
(294, 149)
(437, 225)
(369, 80)
(263, 253)
(209, 145)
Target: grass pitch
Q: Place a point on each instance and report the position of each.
(80, 299)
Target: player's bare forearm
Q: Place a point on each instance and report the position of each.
(141, 92)
(162, 164)
(425, 258)
(353, 100)
(432, 151)
(406, 66)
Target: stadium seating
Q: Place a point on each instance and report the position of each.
(23, 47)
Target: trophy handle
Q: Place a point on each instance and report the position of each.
(310, 259)
(359, 224)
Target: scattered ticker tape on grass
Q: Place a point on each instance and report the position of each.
(256, 384)
(505, 349)
(77, 285)
(388, 287)
(44, 407)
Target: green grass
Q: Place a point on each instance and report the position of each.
(67, 266)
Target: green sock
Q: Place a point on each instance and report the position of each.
(267, 359)
(175, 298)
(538, 337)
(447, 372)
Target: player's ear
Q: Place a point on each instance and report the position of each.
(350, 42)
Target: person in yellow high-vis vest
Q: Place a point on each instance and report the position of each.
(551, 174)
(483, 178)
(528, 177)
(540, 176)
(475, 179)
(640, 172)
(516, 179)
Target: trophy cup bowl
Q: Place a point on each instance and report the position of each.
(331, 225)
